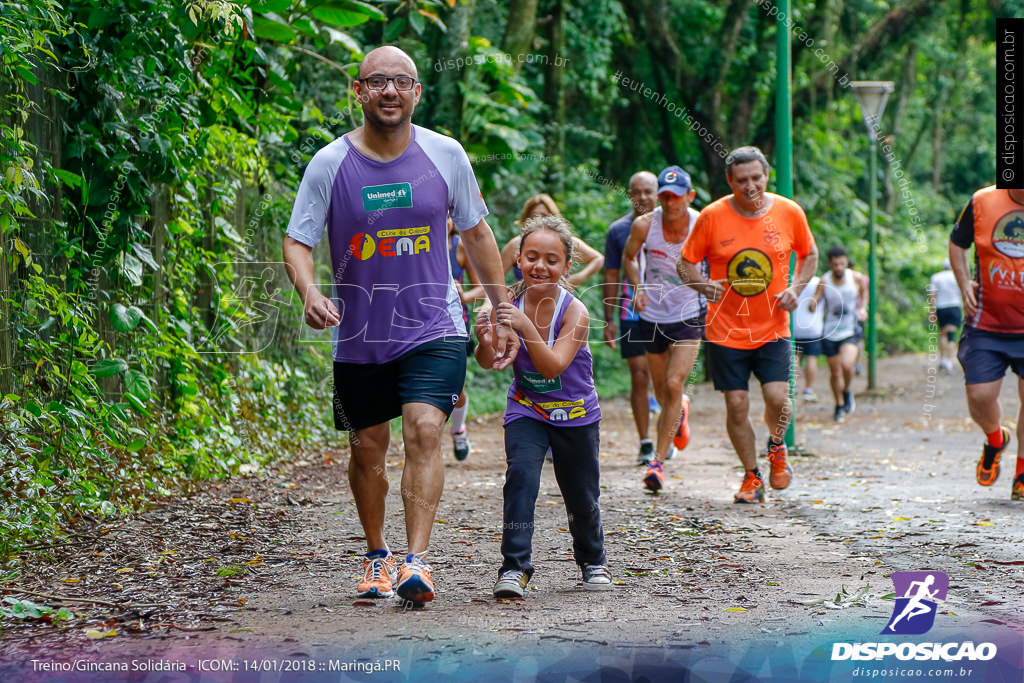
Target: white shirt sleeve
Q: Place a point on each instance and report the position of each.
(465, 202)
(309, 212)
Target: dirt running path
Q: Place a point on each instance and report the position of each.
(265, 566)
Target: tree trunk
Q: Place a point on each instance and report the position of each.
(937, 151)
(159, 216)
(554, 97)
(208, 278)
(6, 326)
(519, 28)
(448, 117)
(903, 90)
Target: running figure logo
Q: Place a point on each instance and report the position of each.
(915, 608)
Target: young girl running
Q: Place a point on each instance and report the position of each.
(552, 403)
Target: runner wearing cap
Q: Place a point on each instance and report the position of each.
(618, 305)
(671, 314)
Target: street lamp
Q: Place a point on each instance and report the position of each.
(872, 96)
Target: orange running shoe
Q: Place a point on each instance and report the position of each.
(1017, 492)
(752, 490)
(682, 436)
(414, 584)
(781, 473)
(654, 479)
(378, 575)
(988, 465)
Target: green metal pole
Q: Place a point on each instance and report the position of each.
(872, 266)
(784, 156)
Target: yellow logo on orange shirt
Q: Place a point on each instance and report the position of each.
(1008, 236)
(749, 272)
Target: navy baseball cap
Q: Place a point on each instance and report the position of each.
(675, 180)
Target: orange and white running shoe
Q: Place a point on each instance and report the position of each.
(654, 479)
(414, 584)
(682, 437)
(752, 489)
(781, 473)
(378, 575)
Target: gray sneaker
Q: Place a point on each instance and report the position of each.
(596, 577)
(511, 584)
(461, 444)
(646, 452)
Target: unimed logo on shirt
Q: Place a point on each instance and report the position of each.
(382, 197)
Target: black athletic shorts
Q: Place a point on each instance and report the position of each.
(831, 348)
(367, 394)
(630, 341)
(984, 355)
(950, 315)
(659, 336)
(730, 368)
(808, 347)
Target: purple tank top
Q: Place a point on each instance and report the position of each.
(569, 400)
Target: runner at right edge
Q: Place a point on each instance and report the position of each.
(993, 336)
(747, 238)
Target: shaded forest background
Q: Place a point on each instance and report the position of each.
(149, 337)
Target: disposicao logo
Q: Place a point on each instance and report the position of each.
(914, 614)
(916, 593)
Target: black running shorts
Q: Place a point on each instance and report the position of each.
(630, 345)
(659, 336)
(366, 395)
(984, 355)
(730, 368)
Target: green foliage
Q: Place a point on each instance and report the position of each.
(130, 365)
(13, 608)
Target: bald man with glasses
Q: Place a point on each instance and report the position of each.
(382, 193)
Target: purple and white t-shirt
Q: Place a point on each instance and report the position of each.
(387, 226)
(569, 400)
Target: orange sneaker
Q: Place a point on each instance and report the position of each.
(378, 575)
(988, 473)
(414, 584)
(752, 489)
(1017, 491)
(654, 479)
(682, 436)
(781, 473)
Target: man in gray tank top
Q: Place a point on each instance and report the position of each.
(845, 293)
(671, 314)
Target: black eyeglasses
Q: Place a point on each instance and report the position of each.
(381, 82)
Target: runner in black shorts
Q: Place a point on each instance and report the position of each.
(618, 306)
(946, 304)
(807, 332)
(748, 239)
(993, 336)
(383, 193)
(671, 314)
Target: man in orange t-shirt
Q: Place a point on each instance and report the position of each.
(993, 336)
(747, 238)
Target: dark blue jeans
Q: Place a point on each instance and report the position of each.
(574, 450)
